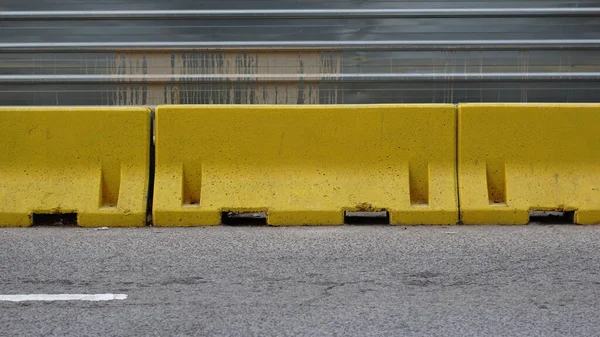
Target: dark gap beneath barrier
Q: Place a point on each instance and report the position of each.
(551, 217)
(60, 219)
(244, 218)
(367, 218)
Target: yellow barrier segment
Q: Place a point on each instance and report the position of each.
(89, 161)
(516, 158)
(305, 164)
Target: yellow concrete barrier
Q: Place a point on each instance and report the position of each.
(517, 158)
(305, 164)
(89, 161)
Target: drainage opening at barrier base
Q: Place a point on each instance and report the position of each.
(232, 218)
(367, 218)
(551, 217)
(54, 219)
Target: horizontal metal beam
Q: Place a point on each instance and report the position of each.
(291, 78)
(458, 45)
(298, 14)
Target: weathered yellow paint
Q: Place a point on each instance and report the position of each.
(514, 158)
(92, 161)
(305, 164)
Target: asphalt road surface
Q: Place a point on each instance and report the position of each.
(307, 281)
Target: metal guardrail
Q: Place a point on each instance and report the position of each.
(301, 55)
(293, 78)
(458, 45)
(299, 14)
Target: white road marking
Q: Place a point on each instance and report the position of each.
(62, 297)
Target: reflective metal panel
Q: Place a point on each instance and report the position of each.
(98, 52)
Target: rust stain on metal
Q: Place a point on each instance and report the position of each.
(233, 89)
